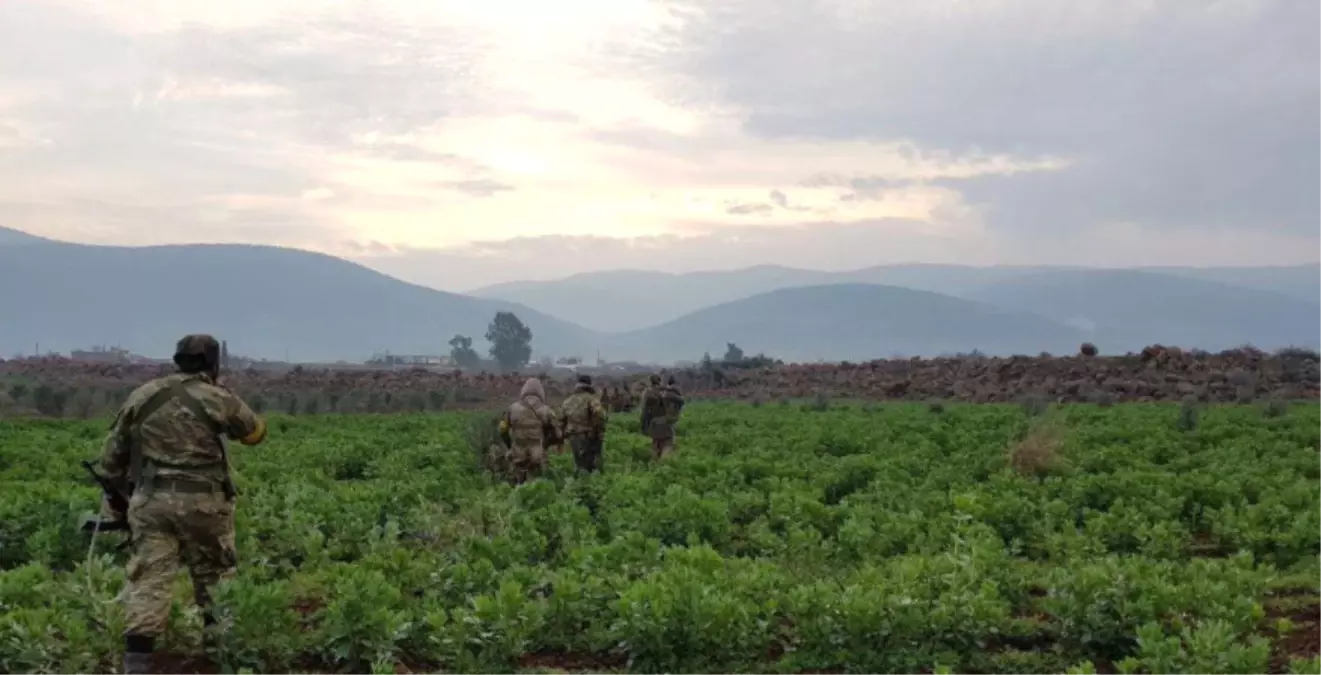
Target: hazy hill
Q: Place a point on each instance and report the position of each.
(850, 322)
(272, 302)
(956, 280)
(1123, 310)
(623, 300)
(1298, 281)
(11, 237)
(614, 301)
(266, 301)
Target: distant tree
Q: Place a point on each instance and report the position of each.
(732, 353)
(224, 354)
(462, 352)
(511, 341)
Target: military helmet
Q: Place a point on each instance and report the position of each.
(584, 379)
(192, 347)
(655, 379)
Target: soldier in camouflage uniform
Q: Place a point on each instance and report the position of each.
(528, 428)
(166, 447)
(661, 406)
(623, 398)
(584, 420)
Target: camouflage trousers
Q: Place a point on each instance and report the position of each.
(587, 451)
(662, 438)
(661, 446)
(526, 463)
(168, 528)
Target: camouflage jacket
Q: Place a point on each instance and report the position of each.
(174, 442)
(582, 412)
(662, 403)
(530, 423)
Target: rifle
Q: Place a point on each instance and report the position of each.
(118, 503)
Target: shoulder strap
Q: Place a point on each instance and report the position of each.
(195, 406)
(152, 404)
(175, 390)
(537, 413)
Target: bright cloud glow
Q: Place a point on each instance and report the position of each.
(361, 128)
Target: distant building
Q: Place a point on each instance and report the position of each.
(105, 355)
(410, 360)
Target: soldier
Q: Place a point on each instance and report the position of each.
(166, 447)
(661, 406)
(584, 420)
(626, 399)
(528, 428)
(614, 397)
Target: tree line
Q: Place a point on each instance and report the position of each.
(510, 344)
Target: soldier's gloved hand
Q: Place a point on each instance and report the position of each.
(109, 514)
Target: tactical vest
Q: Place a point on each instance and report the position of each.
(142, 469)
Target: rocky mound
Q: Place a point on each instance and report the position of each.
(59, 387)
(1157, 373)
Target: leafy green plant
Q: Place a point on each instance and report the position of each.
(364, 620)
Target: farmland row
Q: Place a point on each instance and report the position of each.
(780, 538)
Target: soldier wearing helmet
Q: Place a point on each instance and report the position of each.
(167, 446)
(661, 406)
(583, 419)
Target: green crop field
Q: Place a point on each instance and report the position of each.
(780, 538)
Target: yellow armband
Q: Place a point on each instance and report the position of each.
(257, 435)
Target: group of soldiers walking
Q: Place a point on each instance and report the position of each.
(166, 470)
(531, 427)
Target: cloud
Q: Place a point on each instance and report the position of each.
(1176, 114)
(483, 187)
(454, 137)
(749, 209)
(820, 245)
(188, 117)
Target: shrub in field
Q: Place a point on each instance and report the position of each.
(1038, 452)
(1189, 412)
(257, 625)
(363, 621)
(819, 403)
(1212, 647)
(1034, 405)
(1275, 407)
(1102, 398)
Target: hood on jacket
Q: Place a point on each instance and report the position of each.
(533, 388)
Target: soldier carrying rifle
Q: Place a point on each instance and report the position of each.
(661, 407)
(584, 421)
(166, 451)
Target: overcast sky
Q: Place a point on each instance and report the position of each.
(468, 142)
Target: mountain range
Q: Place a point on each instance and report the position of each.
(265, 301)
(285, 303)
(610, 301)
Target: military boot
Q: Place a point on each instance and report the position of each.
(137, 662)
